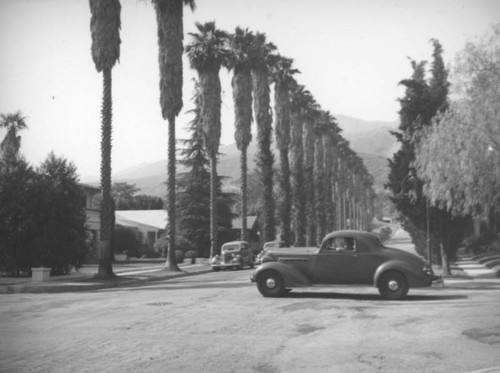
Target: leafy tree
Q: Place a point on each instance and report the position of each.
(259, 59)
(466, 139)
(207, 53)
(17, 191)
(105, 27)
(42, 219)
(241, 82)
(60, 238)
(146, 202)
(125, 199)
(123, 195)
(422, 102)
(169, 19)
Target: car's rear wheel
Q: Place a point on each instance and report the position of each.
(270, 284)
(393, 285)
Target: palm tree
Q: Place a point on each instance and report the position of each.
(299, 98)
(105, 26)
(311, 116)
(241, 82)
(169, 19)
(207, 53)
(282, 76)
(14, 122)
(262, 110)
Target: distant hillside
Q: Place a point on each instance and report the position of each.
(371, 140)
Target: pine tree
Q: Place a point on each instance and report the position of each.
(193, 202)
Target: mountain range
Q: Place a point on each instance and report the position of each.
(370, 139)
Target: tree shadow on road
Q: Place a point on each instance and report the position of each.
(171, 285)
(372, 297)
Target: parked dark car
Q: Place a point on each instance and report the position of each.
(235, 254)
(268, 245)
(344, 257)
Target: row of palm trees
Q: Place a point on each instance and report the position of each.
(320, 177)
(322, 182)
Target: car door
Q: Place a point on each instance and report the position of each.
(336, 263)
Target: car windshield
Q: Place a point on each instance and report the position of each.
(231, 248)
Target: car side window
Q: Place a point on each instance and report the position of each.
(341, 244)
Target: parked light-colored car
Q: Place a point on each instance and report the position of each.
(235, 254)
(344, 257)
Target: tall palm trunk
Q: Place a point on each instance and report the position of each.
(286, 204)
(210, 112)
(171, 262)
(319, 179)
(308, 183)
(241, 83)
(244, 193)
(213, 206)
(170, 30)
(328, 184)
(297, 181)
(105, 26)
(265, 157)
(107, 214)
(282, 110)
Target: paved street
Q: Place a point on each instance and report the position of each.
(218, 322)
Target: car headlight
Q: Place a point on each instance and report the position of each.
(427, 270)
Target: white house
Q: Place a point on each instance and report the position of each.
(150, 223)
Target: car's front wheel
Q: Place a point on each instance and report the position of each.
(270, 284)
(393, 285)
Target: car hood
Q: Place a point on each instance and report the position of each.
(292, 251)
(401, 254)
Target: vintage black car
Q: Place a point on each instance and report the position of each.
(235, 255)
(344, 257)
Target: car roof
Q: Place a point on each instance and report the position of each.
(235, 243)
(351, 233)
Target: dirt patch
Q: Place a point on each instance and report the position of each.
(490, 336)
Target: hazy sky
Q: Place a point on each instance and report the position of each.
(351, 54)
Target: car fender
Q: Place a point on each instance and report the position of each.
(290, 275)
(414, 275)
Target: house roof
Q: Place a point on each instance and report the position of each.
(157, 219)
(251, 220)
(153, 219)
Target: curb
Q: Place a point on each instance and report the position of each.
(79, 285)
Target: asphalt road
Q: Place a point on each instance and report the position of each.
(218, 322)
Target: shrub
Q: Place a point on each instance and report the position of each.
(191, 254)
(486, 242)
(179, 256)
(125, 241)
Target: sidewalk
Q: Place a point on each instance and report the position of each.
(128, 274)
(473, 268)
(466, 267)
